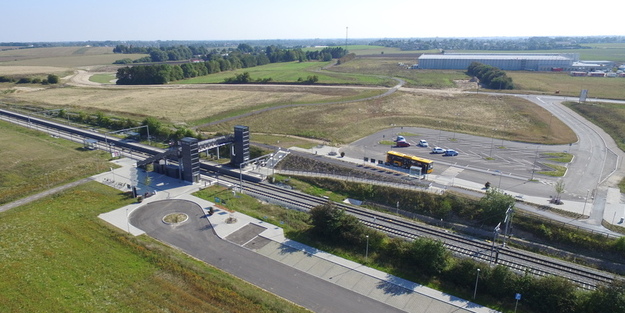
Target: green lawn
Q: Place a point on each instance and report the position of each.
(102, 78)
(58, 256)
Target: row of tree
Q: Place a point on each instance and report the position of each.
(530, 43)
(156, 128)
(50, 79)
(490, 76)
(215, 63)
(430, 260)
(248, 55)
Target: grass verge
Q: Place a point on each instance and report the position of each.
(59, 257)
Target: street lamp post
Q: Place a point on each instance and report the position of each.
(496, 232)
(492, 142)
(438, 141)
(241, 178)
(534, 164)
(367, 250)
(585, 201)
(477, 278)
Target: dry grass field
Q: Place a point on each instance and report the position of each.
(62, 57)
(549, 82)
(180, 103)
(515, 118)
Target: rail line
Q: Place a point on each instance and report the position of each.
(518, 260)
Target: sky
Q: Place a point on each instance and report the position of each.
(90, 20)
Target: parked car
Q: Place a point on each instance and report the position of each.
(400, 138)
(438, 150)
(450, 152)
(403, 144)
(423, 143)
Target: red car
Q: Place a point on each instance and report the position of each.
(403, 144)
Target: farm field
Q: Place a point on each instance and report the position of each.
(34, 161)
(183, 104)
(58, 256)
(66, 57)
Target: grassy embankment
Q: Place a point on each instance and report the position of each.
(34, 162)
(57, 256)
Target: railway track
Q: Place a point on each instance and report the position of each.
(518, 260)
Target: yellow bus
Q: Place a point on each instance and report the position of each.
(406, 161)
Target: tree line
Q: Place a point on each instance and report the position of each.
(50, 79)
(244, 56)
(529, 43)
(248, 54)
(429, 260)
(490, 76)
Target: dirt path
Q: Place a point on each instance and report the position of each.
(81, 79)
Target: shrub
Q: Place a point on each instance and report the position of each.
(53, 79)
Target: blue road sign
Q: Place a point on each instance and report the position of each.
(518, 296)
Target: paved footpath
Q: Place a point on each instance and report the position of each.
(43, 194)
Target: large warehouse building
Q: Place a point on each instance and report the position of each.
(504, 61)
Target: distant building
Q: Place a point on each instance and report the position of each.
(504, 61)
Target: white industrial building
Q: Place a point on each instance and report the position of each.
(504, 61)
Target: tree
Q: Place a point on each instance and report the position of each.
(607, 298)
(153, 124)
(493, 206)
(326, 219)
(53, 79)
(429, 255)
(559, 187)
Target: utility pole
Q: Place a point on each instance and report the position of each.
(506, 233)
(496, 232)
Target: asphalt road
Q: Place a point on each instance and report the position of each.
(197, 238)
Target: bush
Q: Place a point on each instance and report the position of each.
(53, 79)
(123, 61)
(24, 80)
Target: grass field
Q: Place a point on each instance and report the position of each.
(414, 78)
(62, 57)
(102, 78)
(467, 113)
(57, 256)
(34, 161)
(291, 72)
(609, 116)
(181, 104)
(549, 82)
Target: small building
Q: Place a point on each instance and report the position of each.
(90, 144)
